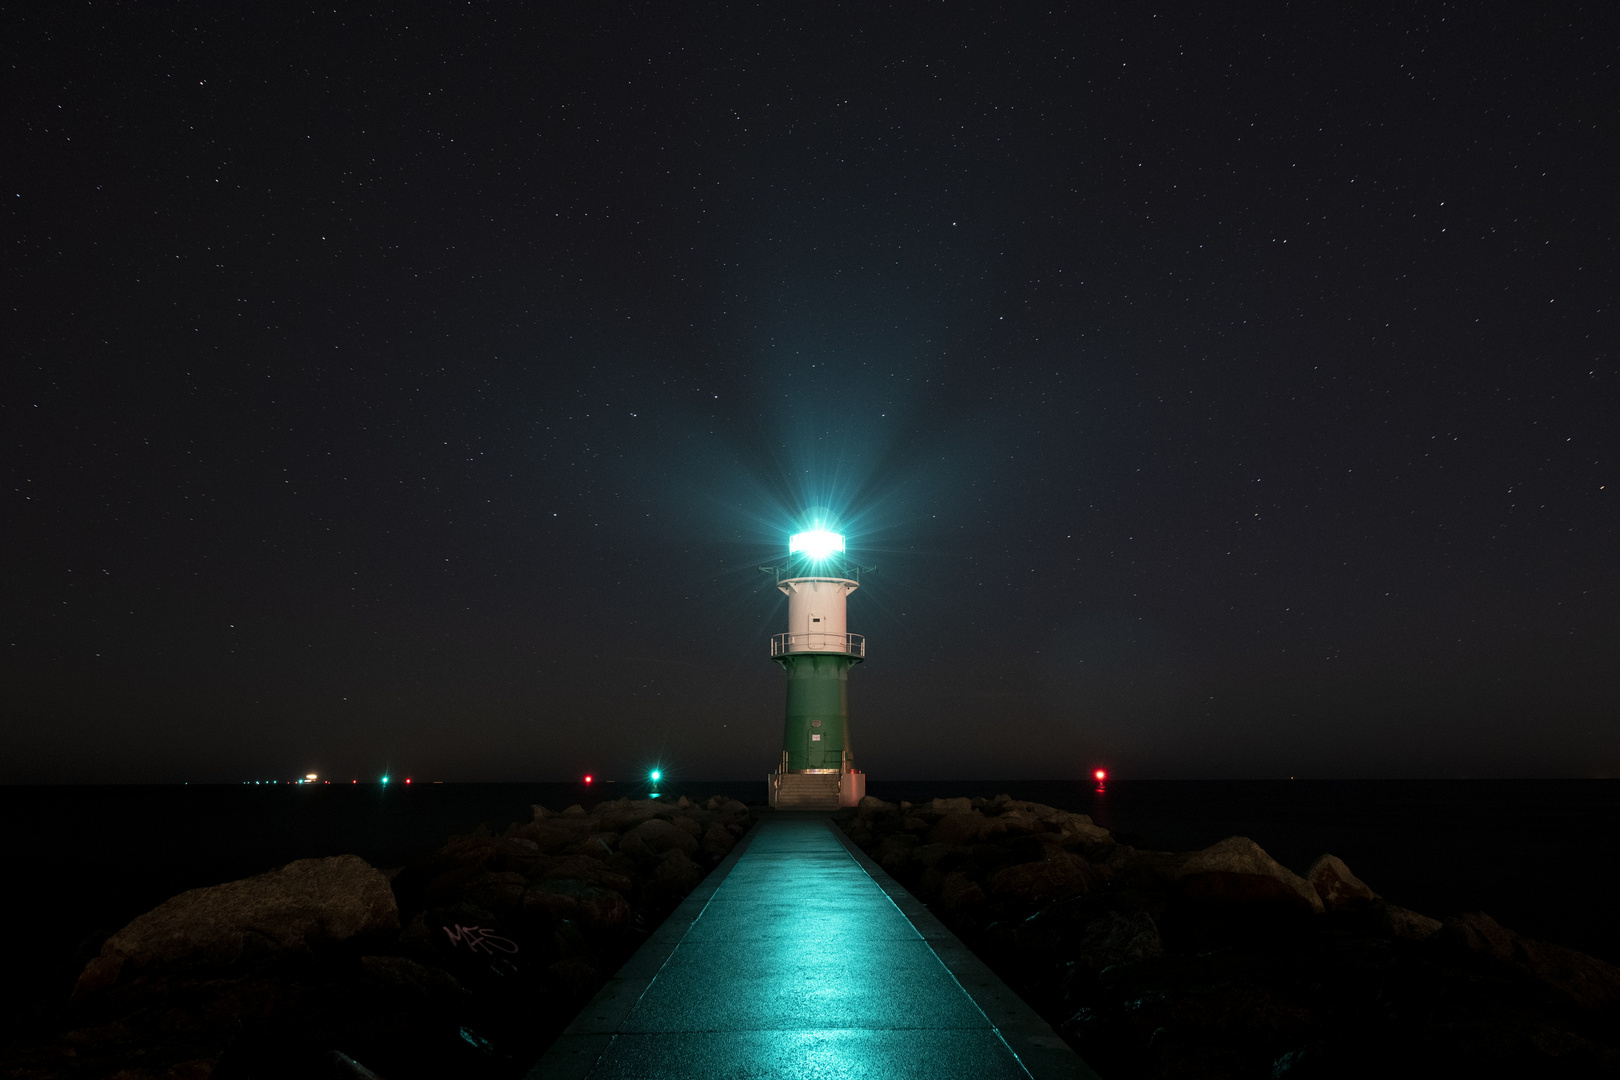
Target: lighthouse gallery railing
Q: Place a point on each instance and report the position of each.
(853, 644)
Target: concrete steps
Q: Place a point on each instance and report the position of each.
(808, 791)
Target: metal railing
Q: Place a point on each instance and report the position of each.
(852, 644)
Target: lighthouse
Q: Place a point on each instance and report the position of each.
(817, 768)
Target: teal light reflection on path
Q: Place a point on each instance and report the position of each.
(799, 965)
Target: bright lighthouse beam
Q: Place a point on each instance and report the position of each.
(817, 544)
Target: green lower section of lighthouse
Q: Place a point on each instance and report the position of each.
(815, 734)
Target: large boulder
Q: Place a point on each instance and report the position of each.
(410, 979)
(659, 836)
(1080, 828)
(1399, 922)
(717, 841)
(1477, 933)
(731, 808)
(555, 833)
(1055, 878)
(1339, 889)
(957, 891)
(1015, 821)
(957, 827)
(598, 845)
(894, 853)
(497, 891)
(676, 874)
(1029, 847)
(304, 904)
(1120, 937)
(1238, 870)
(473, 853)
(569, 898)
(871, 804)
(623, 818)
(595, 871)
(926, 887)
(1583, 981)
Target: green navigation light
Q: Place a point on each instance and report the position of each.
(656, 776)
(385, 779)
(816, 544)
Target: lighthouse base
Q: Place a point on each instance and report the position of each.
(815, 789)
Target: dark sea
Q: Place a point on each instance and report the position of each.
(1540, 856)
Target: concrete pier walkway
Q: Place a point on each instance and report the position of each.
(799, 957)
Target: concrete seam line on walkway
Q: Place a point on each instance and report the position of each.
(920, 918)
(580, 1047)
(1039, 1050)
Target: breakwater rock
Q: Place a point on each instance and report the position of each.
(465, 963)
(1223, 963)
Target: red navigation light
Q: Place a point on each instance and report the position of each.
(1101, 775)
(354, 781)
(589, 778)
(407, 779)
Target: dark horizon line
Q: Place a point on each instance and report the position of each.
(1111, 782)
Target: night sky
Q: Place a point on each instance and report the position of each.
(1218, 393)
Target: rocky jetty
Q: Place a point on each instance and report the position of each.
(466, 963)
(1222, 963)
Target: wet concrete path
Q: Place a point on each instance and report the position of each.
(799, 957)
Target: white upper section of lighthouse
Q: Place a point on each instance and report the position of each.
(818, 616)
